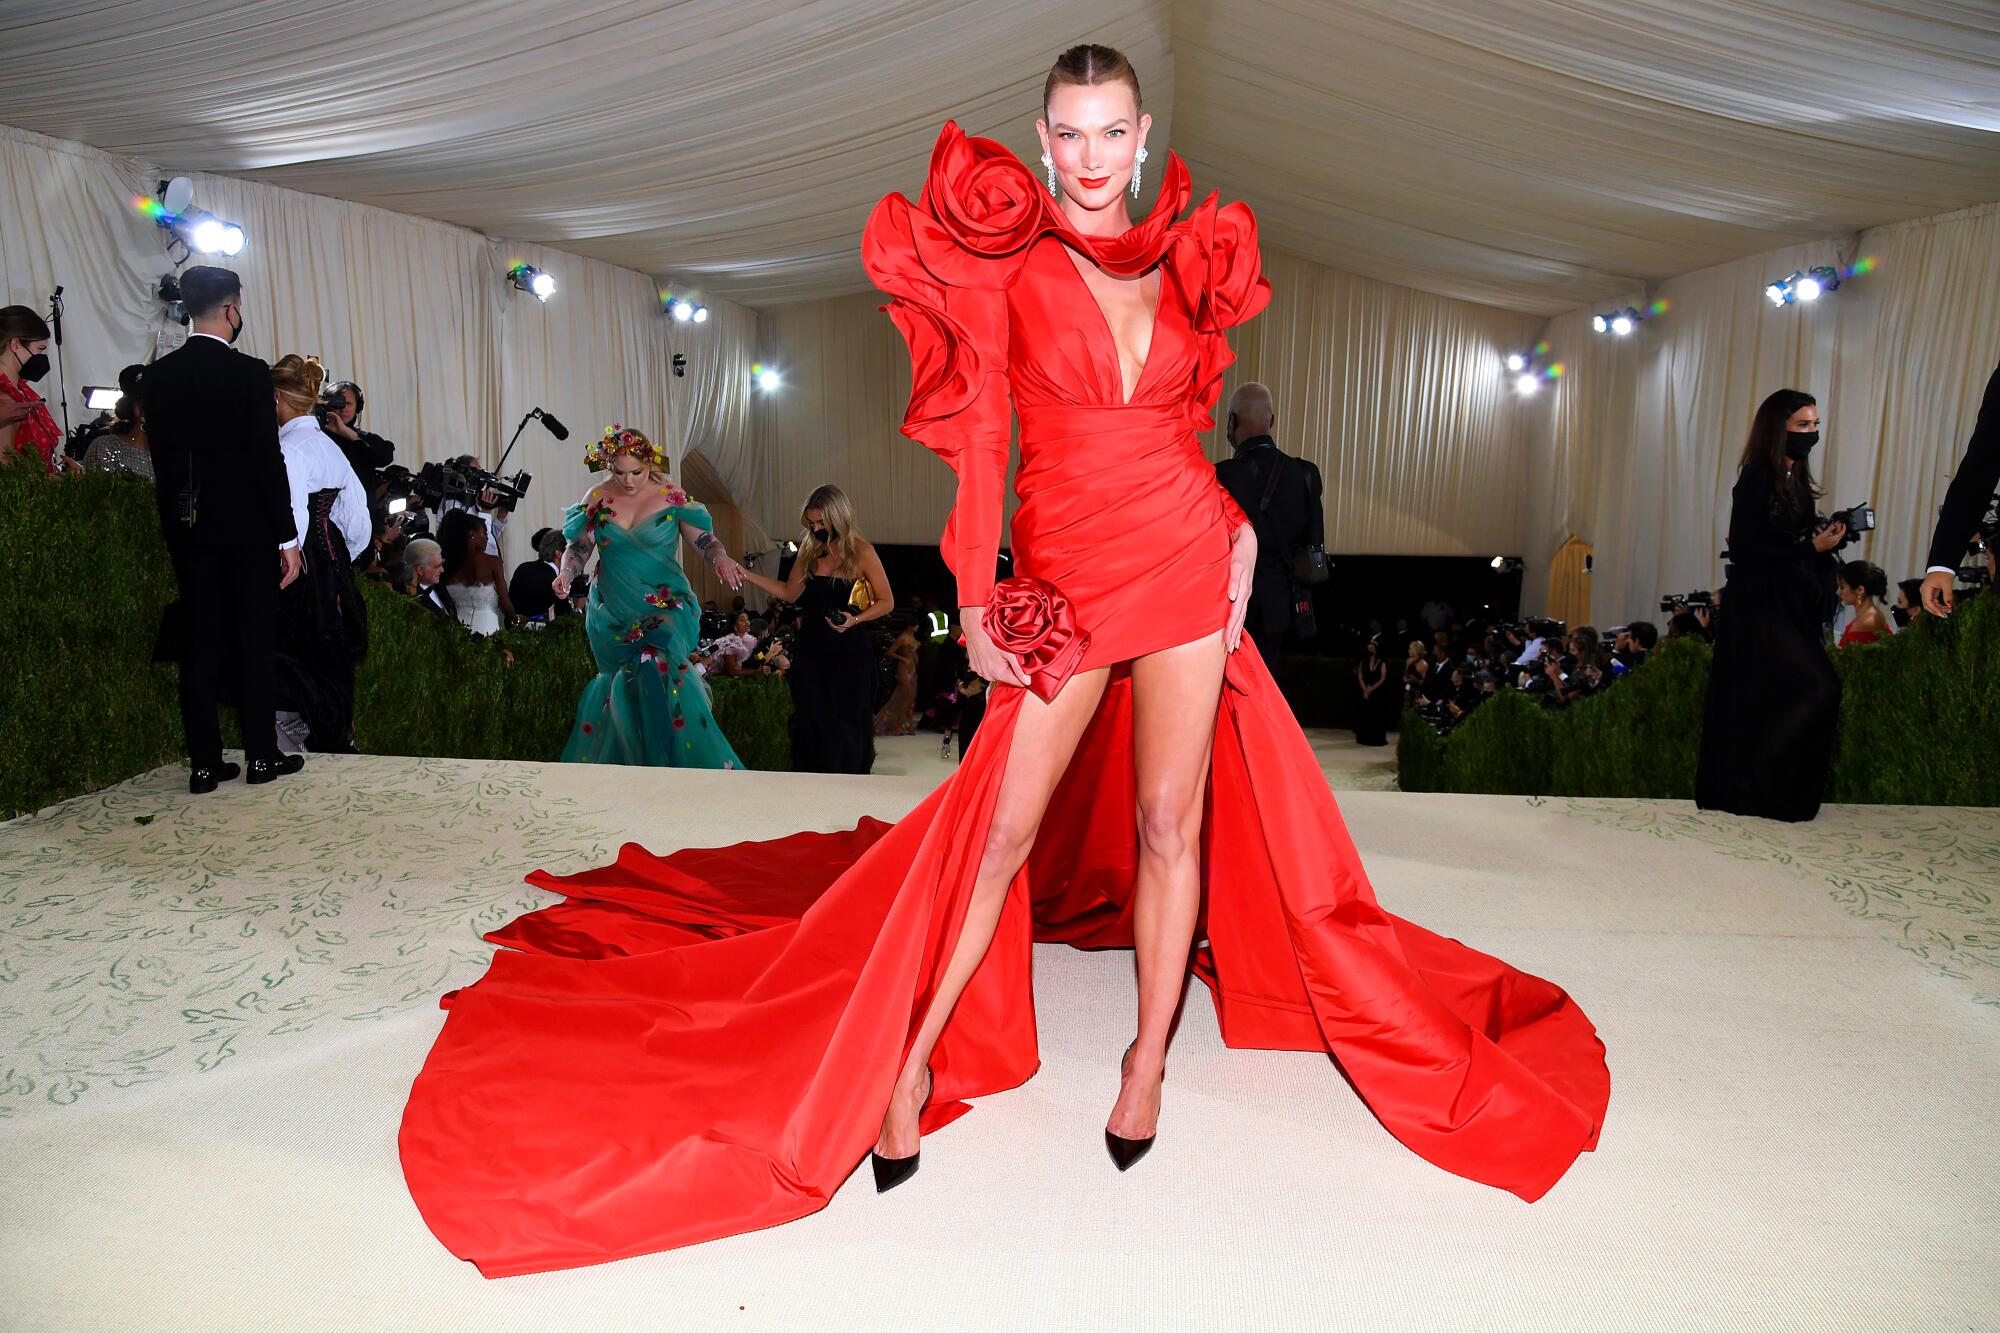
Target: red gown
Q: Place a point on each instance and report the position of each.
(702, 1044)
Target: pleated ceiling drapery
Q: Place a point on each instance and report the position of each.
(418, 312)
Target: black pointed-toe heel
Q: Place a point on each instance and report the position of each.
(893, 1171)
(1125, 1153)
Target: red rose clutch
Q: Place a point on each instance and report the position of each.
(1029, 618)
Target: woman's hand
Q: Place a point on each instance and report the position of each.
(1829, 537)
(983, 656)
(1242, 564)
(561, 586)
(847, 621)
(729, 572)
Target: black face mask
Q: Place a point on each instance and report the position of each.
(1902, 615)
(822, 535)
(237, 331)
(1799, 443)
(34, 368)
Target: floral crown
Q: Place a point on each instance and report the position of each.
(622, 440)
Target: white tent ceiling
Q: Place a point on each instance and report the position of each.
(1534, 154)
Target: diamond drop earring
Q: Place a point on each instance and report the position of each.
(1138, 166)
(1050, 163)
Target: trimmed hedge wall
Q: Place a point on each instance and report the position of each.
(83, 706)
(1919, 725)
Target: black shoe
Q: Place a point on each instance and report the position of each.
(1125, 1153)
(269, 770)
(205, 779)
(893, 1171)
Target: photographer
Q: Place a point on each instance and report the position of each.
(367, 453)
(1631, 647)
(1773, 695)
(1972, 487)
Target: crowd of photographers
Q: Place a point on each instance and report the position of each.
(1450, 666)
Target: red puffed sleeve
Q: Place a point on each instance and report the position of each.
(959, 406)
(1217, 256)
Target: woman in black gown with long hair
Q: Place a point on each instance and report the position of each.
(1773, 696)
(832, 677)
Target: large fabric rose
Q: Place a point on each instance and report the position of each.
(1029, 618)
(983, 196)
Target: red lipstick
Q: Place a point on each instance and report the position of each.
(1093, 182)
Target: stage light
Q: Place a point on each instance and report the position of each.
(175, 195)
(701, 314)
(1779, 292)
(1527, 385)
(765, 377)
(1499, 562)
(683, 311)
(529, 279)
(1811, 284)
(1808, 289)
(1622, 325)
(1517, 363)
(1599, 324)
(100, 399)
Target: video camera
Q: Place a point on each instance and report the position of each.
(470, 485)
(1680, 601)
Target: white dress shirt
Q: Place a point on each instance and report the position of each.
(313, 462)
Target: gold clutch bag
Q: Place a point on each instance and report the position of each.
(862, 597)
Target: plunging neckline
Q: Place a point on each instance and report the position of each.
(611, 515)
(1104, 322)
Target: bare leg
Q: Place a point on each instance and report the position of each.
(1174, 695)
(1045, 736)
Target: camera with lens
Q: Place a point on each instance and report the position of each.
(1680, 601)
(470, 485)
(330, 402)
(1857, 520)
(1541, 627)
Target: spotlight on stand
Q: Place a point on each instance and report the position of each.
(765, 377)
(529, 279)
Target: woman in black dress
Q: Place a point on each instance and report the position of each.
(1773, 697)
(833, 658)
(1371, 710)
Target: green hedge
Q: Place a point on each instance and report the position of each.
(1919, 725)
(83, 706)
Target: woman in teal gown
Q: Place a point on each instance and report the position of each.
(648, 704)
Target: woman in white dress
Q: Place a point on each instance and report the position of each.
(476, 581)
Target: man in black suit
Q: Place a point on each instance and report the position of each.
(532, 588)
(1281, 495)
(1972, 486)
(226, 512)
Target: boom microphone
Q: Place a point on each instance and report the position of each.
(556, 428)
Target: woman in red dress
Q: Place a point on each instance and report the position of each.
(707, 1043)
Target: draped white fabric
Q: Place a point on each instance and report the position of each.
(418, 312)
(1636, 449)
(1521, 153)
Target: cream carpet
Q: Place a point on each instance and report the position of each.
(211, 1009)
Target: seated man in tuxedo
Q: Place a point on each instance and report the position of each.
(1280, 494)
(1972, 486)
(226, 512)
(532, 587)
